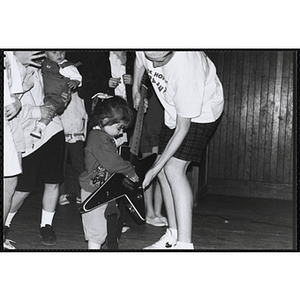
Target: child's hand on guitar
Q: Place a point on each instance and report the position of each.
(135, 178)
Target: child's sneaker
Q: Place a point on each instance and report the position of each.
(37, 132)
(63, 199)
(166, 242)
(125, 228)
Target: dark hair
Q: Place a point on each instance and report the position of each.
(115, 109)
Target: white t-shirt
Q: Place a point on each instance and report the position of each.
(70, 72)
(187, 86)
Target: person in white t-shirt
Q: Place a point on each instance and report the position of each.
(191, 93)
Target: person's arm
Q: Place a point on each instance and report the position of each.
(30, 57)
(181, 130)
(138, 73)
(74, 75)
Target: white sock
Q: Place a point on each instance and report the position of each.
(182, 245)
(41, 125)
(93, 246)
(173, 232)
(47, 218)
(9, 218)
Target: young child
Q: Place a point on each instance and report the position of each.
(108, 120)
(59, 75)
(74, 120)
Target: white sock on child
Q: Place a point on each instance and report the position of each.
(47, 218)
(9, 218)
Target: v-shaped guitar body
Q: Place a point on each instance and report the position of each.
(118, 186)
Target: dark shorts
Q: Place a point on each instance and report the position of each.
(193, 145)
(45, 165)
(153, 121)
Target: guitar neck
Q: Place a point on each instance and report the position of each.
(136, 138)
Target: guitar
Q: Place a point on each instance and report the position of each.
(118, 186)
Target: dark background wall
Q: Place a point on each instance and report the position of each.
(251, 153)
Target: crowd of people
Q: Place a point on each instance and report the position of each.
(83, 104)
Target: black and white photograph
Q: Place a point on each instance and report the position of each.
(149, 150)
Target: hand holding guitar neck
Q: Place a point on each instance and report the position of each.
(134, 178)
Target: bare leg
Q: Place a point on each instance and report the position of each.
(10, 184)
(17, 200)
(50, 197)
(175, 171)
(158, 199)
(168, 199)
(148, 197)
(153, 195)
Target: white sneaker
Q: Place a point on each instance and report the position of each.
(166, 242)
(63, 199)
(125, 228)
(157, 222)
(7, 245)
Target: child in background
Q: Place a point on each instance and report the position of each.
(74, 120)
(59, 75)
(108, 120)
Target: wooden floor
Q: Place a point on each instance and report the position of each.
(219, 223)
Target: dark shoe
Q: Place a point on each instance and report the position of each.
(48, 235)
(64, 199)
